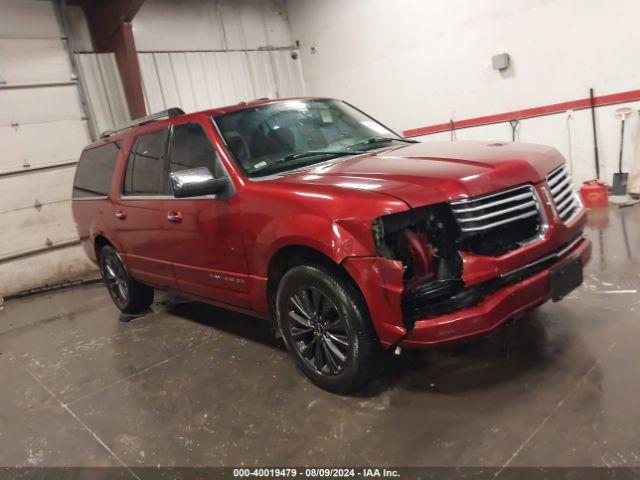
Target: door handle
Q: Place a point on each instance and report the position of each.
(175, 217)
(120, 214)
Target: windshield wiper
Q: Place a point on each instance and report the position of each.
(313, 153)
(372, 140)
(304, 154)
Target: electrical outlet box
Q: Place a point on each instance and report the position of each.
(500, 61)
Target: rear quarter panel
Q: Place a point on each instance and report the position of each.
(93, 217)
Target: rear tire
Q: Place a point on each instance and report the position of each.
(325, 325)
(128, 295)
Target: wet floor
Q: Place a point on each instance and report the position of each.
(192, 385)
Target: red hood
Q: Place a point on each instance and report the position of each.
(432, 172)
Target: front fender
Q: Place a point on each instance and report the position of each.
(335, 239)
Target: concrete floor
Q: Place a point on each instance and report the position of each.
(191, 385)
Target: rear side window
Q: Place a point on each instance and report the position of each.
(190, 147)
(146, 172)
(94, 172)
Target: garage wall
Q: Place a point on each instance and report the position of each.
(416, 63)
(102, 84)
(167, 25)
(42, 131)
(194, 53)
(198, 54)
(198, 80)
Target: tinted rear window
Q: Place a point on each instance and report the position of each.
(146, 170)
(94, 172)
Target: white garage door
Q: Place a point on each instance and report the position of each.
(42, 131)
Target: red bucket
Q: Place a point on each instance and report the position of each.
(594, 194)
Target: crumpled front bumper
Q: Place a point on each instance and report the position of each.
(495, 309)
(380, 281)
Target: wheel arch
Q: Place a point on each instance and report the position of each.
(292, 255)
(99, 242)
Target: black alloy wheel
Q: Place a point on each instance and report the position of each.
(318, 330)
(115, 279)
(325, 324)
(129, 295)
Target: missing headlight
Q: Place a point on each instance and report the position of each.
(423, 239)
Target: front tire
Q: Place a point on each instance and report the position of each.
(325, 325)
(129, 295)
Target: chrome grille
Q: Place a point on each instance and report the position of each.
(564, 196)
(479, 214)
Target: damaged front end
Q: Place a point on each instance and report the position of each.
(424, 240)
(432, 242)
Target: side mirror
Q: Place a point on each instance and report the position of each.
(196, 182)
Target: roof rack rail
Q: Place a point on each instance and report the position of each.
(247, 102)
(170, 113)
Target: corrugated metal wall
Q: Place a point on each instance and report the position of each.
(191, 80)
(199, 54)
(211, 25)
(199, 80)
(42, 131)
(195, 54)
(103, 86)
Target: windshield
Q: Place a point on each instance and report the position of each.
(285, 135)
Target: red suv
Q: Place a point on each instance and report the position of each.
(316, 216)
